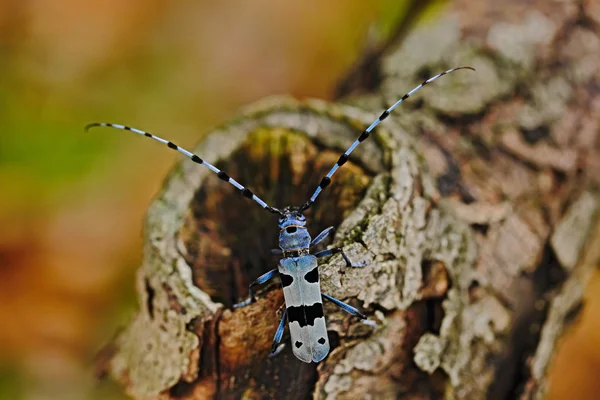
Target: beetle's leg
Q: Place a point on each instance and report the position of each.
(276, 348)
(261, 279)
(321, 236)
(346, 307)
(330, 252)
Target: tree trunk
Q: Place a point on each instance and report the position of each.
(474, 204)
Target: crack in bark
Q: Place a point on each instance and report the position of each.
(150, 293)
(216, 359)
(513, 372)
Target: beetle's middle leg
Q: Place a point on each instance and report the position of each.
(346, 307)
(260, 280)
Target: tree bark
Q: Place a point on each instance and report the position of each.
(475, 206)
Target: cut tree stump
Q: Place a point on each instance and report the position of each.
(475, 205)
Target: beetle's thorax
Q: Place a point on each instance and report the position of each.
(294, 239)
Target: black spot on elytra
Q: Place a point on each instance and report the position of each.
(286, 280)
(305, 315)
(298, 344)
(312, 276)
(321, 340)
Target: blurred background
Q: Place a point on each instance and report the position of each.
(72, 204)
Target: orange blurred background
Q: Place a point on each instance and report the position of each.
(72, 204)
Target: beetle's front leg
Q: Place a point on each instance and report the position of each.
(330, 252)
(321, 236)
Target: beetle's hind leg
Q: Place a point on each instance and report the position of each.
(276, 347)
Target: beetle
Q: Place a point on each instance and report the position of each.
(298, 268)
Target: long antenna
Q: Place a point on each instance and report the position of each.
(365, 134)
(222, 175)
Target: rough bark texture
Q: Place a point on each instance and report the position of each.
(475, 206)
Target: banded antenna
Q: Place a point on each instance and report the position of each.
(222, 175)
(365, 134)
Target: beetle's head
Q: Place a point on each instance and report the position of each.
(293, 234)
